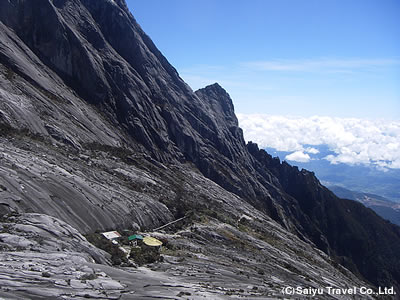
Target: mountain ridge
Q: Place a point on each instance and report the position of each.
(387, 209)
(106, 104)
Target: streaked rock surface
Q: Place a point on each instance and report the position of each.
(43, 257)
(97, 129)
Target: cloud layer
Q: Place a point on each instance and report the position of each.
(312, 65)
(299, 156)
(353, 141)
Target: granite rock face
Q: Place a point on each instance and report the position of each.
(140, 101)
(343, 228)
(44, 258)
(99, 130)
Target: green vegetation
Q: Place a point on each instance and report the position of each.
(8, 130)
(125, 154)
(117, 255)
(10, 74)
(145, 255)
(89, 276)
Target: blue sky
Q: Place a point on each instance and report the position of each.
(285, 57)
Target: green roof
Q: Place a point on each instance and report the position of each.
(135, 237)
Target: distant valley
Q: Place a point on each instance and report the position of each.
(359, 178)
(376, 189)
(382, 206)
(100, 134)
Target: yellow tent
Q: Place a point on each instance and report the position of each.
(150, 241)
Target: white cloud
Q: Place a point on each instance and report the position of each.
(299, 156)
(319, 64)
(312, 150)
(353, 141)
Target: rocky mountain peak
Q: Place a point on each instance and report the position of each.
(220, 101)
(98, 129)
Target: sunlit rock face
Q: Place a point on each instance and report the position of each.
(98, 130)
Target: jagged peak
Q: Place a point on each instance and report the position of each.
(217, 94)
(215, 89)
(103, 56)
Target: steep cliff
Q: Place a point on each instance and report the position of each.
(98, 129)
(355, 235)
(130, 83)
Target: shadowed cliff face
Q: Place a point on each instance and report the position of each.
(81, 79)
(346, 229)
(98, 50)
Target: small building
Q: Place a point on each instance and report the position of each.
(134, 239)
(111, 235)
(152, 242)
